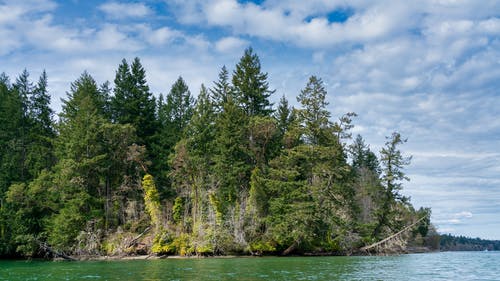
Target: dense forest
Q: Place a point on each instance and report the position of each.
(461, 243)
(122, 171)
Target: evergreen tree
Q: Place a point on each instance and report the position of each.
(221, 90)
(174, 115)
(310, 193)
(106, 90)
(133, 103)
(24, 88)
(80, 131)
(40, 110)
(81, 159)
(251, 86)
(284, 115)
(201, 129)
(393, 163)
(363, 157)
(314, 116)
(368, 188)
(232, 162)
(40, 151)
(190, 162)
(11, 116)
(11, 120)
(178, 108)
(240, 177)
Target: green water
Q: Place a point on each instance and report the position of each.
(435, 266)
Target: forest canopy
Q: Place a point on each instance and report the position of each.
(122, 171)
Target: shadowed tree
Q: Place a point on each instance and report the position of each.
(251, 86)
(132, 102)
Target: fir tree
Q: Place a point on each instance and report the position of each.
(251, 86)
(132, 102)
(40, 152)
(174, 115)
(221, 90)
(314, 115)
(393, 163)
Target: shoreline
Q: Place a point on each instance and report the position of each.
(413, 250)
(177, 257)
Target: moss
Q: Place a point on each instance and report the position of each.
(164, 243)
(152, 200)
(261, 247)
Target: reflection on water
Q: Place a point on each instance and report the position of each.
(437, 266)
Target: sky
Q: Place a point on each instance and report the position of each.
(429, 69)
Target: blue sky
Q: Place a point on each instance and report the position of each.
(429, 69)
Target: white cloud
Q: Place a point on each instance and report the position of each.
(109, 37)
(10, 14)
(292, 24)
(118, 10)
(428, 69)
(231, 45)
(464, 214)
(160, 36)
(43, 33)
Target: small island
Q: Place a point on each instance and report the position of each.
(122, 172)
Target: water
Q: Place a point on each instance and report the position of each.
(434, 266)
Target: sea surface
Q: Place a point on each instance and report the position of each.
(431, 266)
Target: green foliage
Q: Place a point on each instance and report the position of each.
(178, 109)
(314, 116)
(231, 176)
(164, 243)
(261, 247)
(132, 102)
(173, 116)
(448, 242)
(393, 162)
(285, 115)
(178, 209)
(222, 90)
(64, 227)
(232, 161)
(152, 201)
(250, 85)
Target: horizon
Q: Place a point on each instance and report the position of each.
(428, 70)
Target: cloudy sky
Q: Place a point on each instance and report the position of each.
(429, 69)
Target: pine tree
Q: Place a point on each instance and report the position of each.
(133, 103)
(393, 163)
(80, 133)
(201, 129)
(11, 120)
(232, 162)
(221, 90)
(363, 157)
(11, 116)
(41, 136)
(174, 115)
(78, 174)
(251, 86)
(314, 116)
(40, 110)
(284, 115)
(368, 188)
(24, 89)
(178, 108)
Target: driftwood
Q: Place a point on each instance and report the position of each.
(366, 248)
(53, 252)
(290, 249)
(134, 241)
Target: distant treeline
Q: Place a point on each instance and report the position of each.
(122, 171)
(461, 243)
